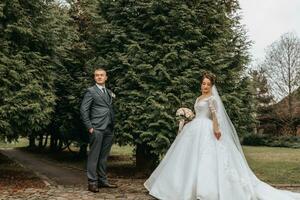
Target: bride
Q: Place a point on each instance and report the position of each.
(206, 160)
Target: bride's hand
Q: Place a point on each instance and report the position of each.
(218, 134)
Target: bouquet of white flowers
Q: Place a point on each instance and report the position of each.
(184, 115)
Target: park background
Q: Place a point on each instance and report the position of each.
(155, 52)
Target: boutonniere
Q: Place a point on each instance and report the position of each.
(113, 95)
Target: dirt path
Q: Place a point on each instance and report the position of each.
(66, 183)
(49, 171)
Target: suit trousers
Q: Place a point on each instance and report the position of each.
(100, 145)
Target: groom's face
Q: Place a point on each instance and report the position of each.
(100, 77)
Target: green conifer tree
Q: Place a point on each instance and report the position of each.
(155, 52)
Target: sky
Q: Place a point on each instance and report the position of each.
(266, 20)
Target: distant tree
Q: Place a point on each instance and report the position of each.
(263, 98)
(282, 66)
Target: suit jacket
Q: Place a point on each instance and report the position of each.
(96, 109)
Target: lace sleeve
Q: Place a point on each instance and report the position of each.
(212, 103)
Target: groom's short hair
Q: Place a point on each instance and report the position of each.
(99, 69)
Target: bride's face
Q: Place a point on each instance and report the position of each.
(206, 86)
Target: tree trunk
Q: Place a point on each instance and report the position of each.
(83, 151)
(145, 161)
(46, 141)
(31, 139)
(60, 145)
(53, 142)
(41, 141)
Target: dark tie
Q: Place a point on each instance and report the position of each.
(105, 93)
(103, 90)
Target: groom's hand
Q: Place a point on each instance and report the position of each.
(218, 135)
(91, 130)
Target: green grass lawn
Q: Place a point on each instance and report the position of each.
(274, 165)
(121, 150)
(22, 142)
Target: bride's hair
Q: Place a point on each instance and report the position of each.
(209, 76)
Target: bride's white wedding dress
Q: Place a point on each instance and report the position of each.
(198, 166)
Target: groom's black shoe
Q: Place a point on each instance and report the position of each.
(93, 188)
(106, 185)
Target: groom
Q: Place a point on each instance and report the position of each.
(98, 116)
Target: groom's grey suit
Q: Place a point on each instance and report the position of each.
(97, 113)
